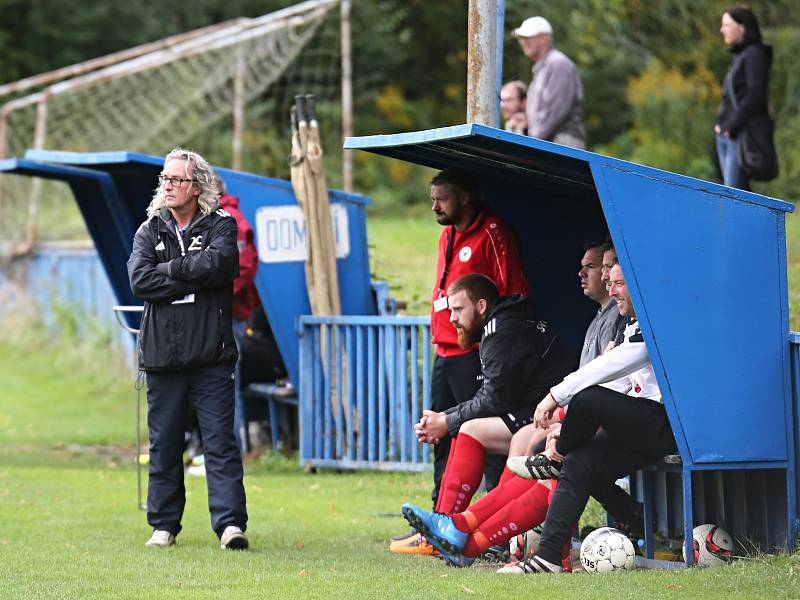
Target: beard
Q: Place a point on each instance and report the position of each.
(444, 219)
(468, 337)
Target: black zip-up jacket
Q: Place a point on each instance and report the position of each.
(521, 359)
(749, 75)
(176, 336)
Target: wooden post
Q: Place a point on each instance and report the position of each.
(3, 137)
(500, 28)
(238, 111)
(40, 133)
(482, 62)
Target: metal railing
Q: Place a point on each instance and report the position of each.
(119, 312)
(364, 382)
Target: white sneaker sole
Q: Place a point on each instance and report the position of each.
(237, 541)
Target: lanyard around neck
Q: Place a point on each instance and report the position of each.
(448, 255)
(180, 240)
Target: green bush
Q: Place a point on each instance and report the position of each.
(785, 108)
(673, 119)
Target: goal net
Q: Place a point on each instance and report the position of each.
(182, 90)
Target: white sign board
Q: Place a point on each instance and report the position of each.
(281, 233)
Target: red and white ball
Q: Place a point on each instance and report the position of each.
(713, 546)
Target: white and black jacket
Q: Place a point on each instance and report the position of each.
(186, 283)
(626, 368)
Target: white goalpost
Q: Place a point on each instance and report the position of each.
(153, 97)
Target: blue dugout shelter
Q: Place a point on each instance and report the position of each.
(706, 268)
(113, 189)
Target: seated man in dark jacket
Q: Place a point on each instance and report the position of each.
(183, 264)
(520, 358)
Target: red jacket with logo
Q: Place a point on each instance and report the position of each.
(245, 296)
(489, 247)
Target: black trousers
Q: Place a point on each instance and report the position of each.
(613, 499)
(636, 433)
(454, 379)
(209, 390)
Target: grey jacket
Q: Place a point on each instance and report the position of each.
(602, 330)
(555, 99)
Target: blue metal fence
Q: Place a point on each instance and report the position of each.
(66, 275)
(364, 382)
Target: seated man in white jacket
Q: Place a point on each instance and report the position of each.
(635, 431)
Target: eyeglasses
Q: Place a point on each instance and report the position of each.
(174, 181)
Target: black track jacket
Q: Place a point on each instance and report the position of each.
(521, 359)
(180, 336)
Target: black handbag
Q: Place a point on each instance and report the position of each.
(756, 148)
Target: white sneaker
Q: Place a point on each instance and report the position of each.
(533, 564)
(233, 538)
(160, 539)
(537, 466)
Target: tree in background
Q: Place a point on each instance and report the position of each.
(652, 72)
(41, 36)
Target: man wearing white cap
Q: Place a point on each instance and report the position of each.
(555, 96)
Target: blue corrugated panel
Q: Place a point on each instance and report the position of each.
(388, 380)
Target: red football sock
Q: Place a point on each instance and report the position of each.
(499, 497)
(484, 508)
(505, 476)
(464, 473)
(518, 515)
(447, 468)
(465, 521)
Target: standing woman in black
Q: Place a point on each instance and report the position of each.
(744, 91)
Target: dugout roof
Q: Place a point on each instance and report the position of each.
(113, 189)
(705, 264)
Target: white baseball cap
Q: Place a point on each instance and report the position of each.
(533, 26)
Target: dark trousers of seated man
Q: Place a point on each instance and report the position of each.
(209, 390)
(636, 433)
(455, 379)
(615, 501)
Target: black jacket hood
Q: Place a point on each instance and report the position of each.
(516, 306)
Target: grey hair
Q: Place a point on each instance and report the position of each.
(202, 175)
(518, 86)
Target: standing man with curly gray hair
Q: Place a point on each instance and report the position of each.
(183, 264)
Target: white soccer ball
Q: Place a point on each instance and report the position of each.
(524, 545)
(607, 549)
(713, 546)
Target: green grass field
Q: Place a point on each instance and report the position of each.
(69, 526)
